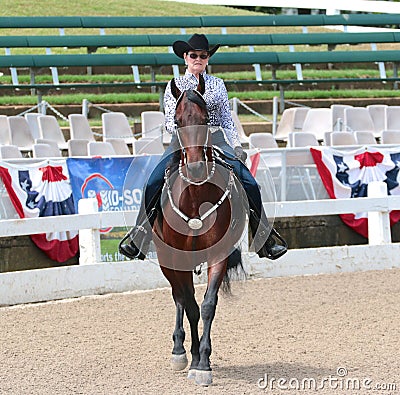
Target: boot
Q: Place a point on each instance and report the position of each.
(266, 246)
(139, 238)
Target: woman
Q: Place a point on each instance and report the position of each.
(196, 52)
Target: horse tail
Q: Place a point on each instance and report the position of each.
(234, 269)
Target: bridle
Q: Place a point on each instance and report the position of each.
(196, 223)
(197, 97)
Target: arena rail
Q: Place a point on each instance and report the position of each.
(19, 22)
(91, 277)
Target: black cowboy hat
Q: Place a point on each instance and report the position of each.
(198, 42)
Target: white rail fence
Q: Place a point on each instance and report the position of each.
(93, 277)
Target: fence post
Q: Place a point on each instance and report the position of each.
(378, 222)
(275, 103)
(235, 105)
(89, 239)
(85, 107)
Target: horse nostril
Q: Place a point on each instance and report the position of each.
(196, 169)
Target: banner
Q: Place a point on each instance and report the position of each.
(116, 183)
(40, 190)
(347, 175)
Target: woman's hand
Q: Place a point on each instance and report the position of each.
(239, 153)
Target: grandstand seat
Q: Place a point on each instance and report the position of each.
(80, 128)
(147, 147)
(51, 130)
(358, 119)
(77, 147)
(390, 137)
(363, 137)
(100, 148)
(120, 147)
(21, 135)
(10, 152)
(262, 140)
(244, 139)
(343, 138)
(303, 139)
(392, 116)
(292, 120)
(338, 115)
(116, 126)
(378, 115)
(318, 121)
(45, 151)
(32, 118)
(5, 137)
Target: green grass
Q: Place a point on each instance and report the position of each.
(166, 8)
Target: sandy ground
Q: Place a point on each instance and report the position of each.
(337, 333)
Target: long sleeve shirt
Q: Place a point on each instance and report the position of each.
(216, 97)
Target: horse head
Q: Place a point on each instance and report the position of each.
(191, 118)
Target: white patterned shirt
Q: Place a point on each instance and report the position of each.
(216, 97)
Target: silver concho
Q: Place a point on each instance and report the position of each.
(195, 223)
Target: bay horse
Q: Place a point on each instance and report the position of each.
(199, 225)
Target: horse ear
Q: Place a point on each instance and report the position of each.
(174, 89)
(202, 85)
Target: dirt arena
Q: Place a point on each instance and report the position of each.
(329, 334)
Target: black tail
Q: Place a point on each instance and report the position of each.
(234, 269)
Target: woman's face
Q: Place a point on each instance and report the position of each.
(196, 61)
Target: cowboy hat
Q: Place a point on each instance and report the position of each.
(198, 42)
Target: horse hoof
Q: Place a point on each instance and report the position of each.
(192, 374)
(204, 377)
(179, 362)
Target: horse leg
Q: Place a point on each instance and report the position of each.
(183, 294)
(208, 307)
(178, 360)
(193, 315)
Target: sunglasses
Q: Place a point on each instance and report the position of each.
(195, 56)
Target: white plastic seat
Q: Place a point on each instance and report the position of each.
(152, 124)
(358, 119)
(303, 139)
(80, 128)
(363, 137)
(78, 147)
(343, 138)
(9, 152)
(45, 151)
(120, 147)
(100, 148)
(390, 137)
(32, 119)
(50, 130)
(5, 136)
(52, 143)
(318, 121)
(338, 115)
(292, 120)
(262, 140)
(20, 132)
(392, 114)
(239, 127)
(147, 147)
(116, 126)
(378, 115)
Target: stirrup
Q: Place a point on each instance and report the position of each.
(271, 249)
(130, 250)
